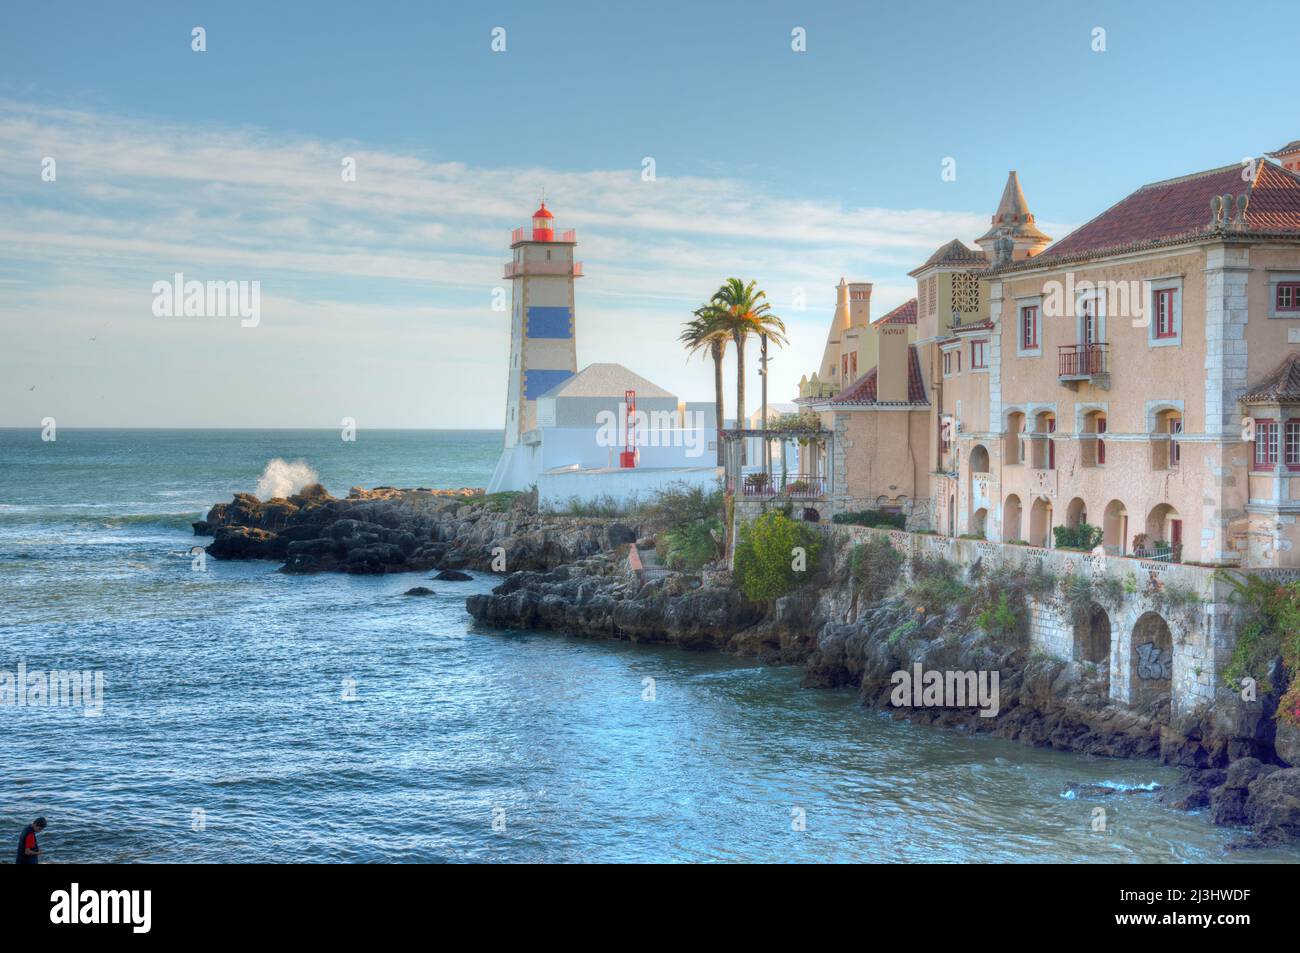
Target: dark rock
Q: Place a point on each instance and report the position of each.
(418, 591)
(453, 575)
(1273, 807)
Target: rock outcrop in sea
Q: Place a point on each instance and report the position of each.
(391, 530)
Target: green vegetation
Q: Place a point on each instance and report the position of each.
(603, 507)
(1084, 536)
(1271, 629)
(871, 518)
(1002, 620)
(936, 583)
(876, 566)
(766, 557)
(688, 524)
(500, 502)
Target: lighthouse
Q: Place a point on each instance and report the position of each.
(543, 329)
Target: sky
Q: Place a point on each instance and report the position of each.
(793, 168)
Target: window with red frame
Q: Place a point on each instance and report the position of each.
(1165, 325)
(853, 364)
(1175, 449)
(1291, 443)
(1265, 444)
(1028, 328)
(1288, 296)
(844, 367)
(978, 355)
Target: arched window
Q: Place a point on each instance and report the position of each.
(1012, 450)
(1092, 445)
(1044, 449)
(1166, 454)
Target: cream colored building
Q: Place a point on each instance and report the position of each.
(1140, 374)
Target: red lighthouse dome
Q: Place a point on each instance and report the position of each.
(543, 225)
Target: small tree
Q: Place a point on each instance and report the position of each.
(775, 555)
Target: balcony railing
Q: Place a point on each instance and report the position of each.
(1083, 361)
(524, 233)
(792, 486)
(516, 269)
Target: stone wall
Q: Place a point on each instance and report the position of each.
(1171, 631)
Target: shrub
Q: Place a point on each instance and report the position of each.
(876, 566)
(679, 503)
(1002, 621)
(691, 545)
(936, 582)
(1272, 628)
(759, 480)
(871, 518)
(1084, 536)
(765, 556)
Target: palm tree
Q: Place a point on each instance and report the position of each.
(707, 331)
(744, 310)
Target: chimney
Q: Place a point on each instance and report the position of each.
(891, 373)
(859, 304)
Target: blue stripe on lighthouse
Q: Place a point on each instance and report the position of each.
(550, 323)
(538, 382)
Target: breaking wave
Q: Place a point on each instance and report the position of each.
(281, 478)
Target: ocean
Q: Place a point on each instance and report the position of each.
(252, 716)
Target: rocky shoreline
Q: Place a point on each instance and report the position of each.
(571, 574)
(390, 530)
(1227, 758)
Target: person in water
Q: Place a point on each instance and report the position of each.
(28, 852)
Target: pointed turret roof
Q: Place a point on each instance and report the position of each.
(1013, 218)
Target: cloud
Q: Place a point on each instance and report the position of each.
(137, 200)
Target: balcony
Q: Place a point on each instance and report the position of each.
(517, 269)
(524, 233)
(791, 486)
(1078, 363)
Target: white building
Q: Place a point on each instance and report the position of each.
(567, 432)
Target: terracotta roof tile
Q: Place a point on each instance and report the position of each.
(863, 391)
(905, 313)
(1282, 386)
(1179, 209)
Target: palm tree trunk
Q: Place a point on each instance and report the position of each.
(740, 392)
(717, 394)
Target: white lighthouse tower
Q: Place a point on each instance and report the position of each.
(543, 328)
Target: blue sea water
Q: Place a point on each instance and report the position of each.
(224, 734)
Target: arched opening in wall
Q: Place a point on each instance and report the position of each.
(979, 523)
(1114, 527)
(1011, 518)
(1076, 514)
(1092, 639)
(1044, 451)
(1152, 660)
(979, 459)
(811, 515)
(1092, 443)
(1166, 453)
(1164, 535)
(1040, 522)
(1012, 449)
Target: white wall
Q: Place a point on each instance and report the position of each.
(558, 490)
